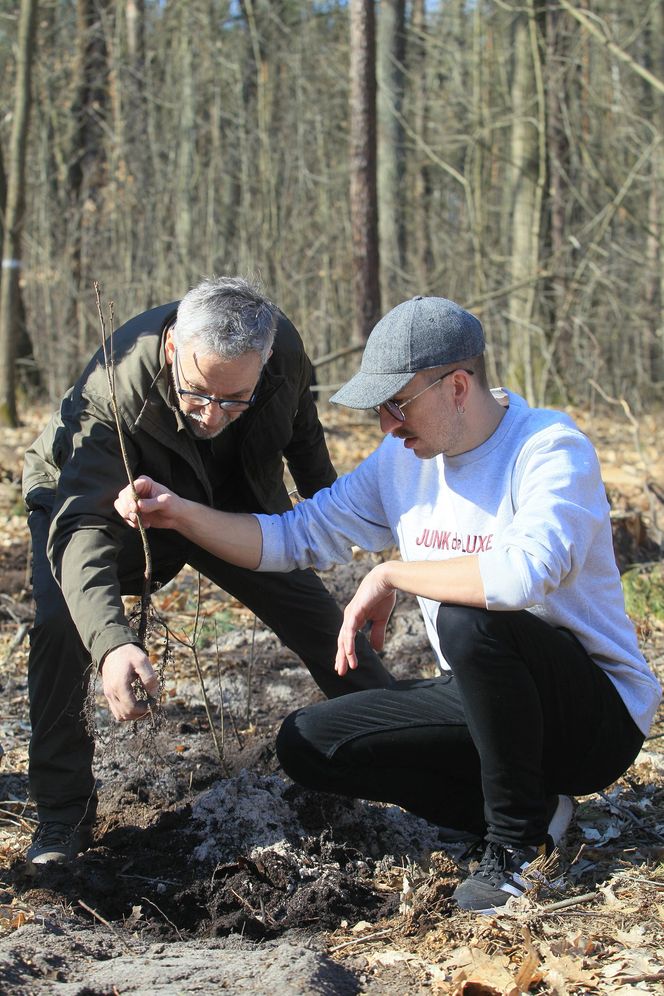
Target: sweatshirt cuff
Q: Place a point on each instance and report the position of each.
(273, 556)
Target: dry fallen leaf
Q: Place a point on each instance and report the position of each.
(481, 974)
(13, 918)
(564, 971)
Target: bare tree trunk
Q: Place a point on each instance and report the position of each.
(477, 160)
(420, 226)
(12, 236)
(259, 17)
(186, 157)
(86, 179)
(136, 129)
(24, 350)
(654, 344)
(559, 167)
(584, 74)
(3, 197)
(135, 20)
(363, 195)
(391, 57)
(527, 179)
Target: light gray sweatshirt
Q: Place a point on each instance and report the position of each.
(529, 501)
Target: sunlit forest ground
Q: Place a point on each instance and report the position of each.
(363, 886)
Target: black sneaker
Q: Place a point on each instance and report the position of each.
(505, 871)
(462, 847)
(56, 843)
(500, 874)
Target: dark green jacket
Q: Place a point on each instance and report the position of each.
(75, 467)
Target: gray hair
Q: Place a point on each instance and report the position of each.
(227, 317)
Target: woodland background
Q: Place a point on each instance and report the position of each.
(508, 154)
(350, 154)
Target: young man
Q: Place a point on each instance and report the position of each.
(503, 527)
(213, 394)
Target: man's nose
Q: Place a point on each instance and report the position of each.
(214, 415)
(388, 423)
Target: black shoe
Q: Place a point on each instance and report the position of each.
(505, 871)
(462, 847)
(56, 843)
(500, 874)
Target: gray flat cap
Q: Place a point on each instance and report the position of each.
(419, 334)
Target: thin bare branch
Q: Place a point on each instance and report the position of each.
(109, 364)
(593, 29)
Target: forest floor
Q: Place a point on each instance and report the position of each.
(211, 871)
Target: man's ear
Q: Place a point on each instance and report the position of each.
(169, 346)
(461, 383)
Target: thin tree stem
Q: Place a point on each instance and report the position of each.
(109, 365)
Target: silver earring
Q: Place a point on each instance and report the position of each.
(460, 410)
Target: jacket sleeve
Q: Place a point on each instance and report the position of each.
(86, 533)
(307, 454)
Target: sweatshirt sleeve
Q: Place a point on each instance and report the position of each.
(322, 530)
(560, 513)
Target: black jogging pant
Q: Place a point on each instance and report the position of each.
(523, 715)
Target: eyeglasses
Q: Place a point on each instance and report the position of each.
(196, 400)
(395, 409)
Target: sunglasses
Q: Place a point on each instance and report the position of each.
(396, 408)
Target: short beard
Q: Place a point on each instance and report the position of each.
(199, 430)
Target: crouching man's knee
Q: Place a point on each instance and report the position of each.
(462, 629)
(299, 756)
(292, 747)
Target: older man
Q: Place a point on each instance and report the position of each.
(213, 394)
